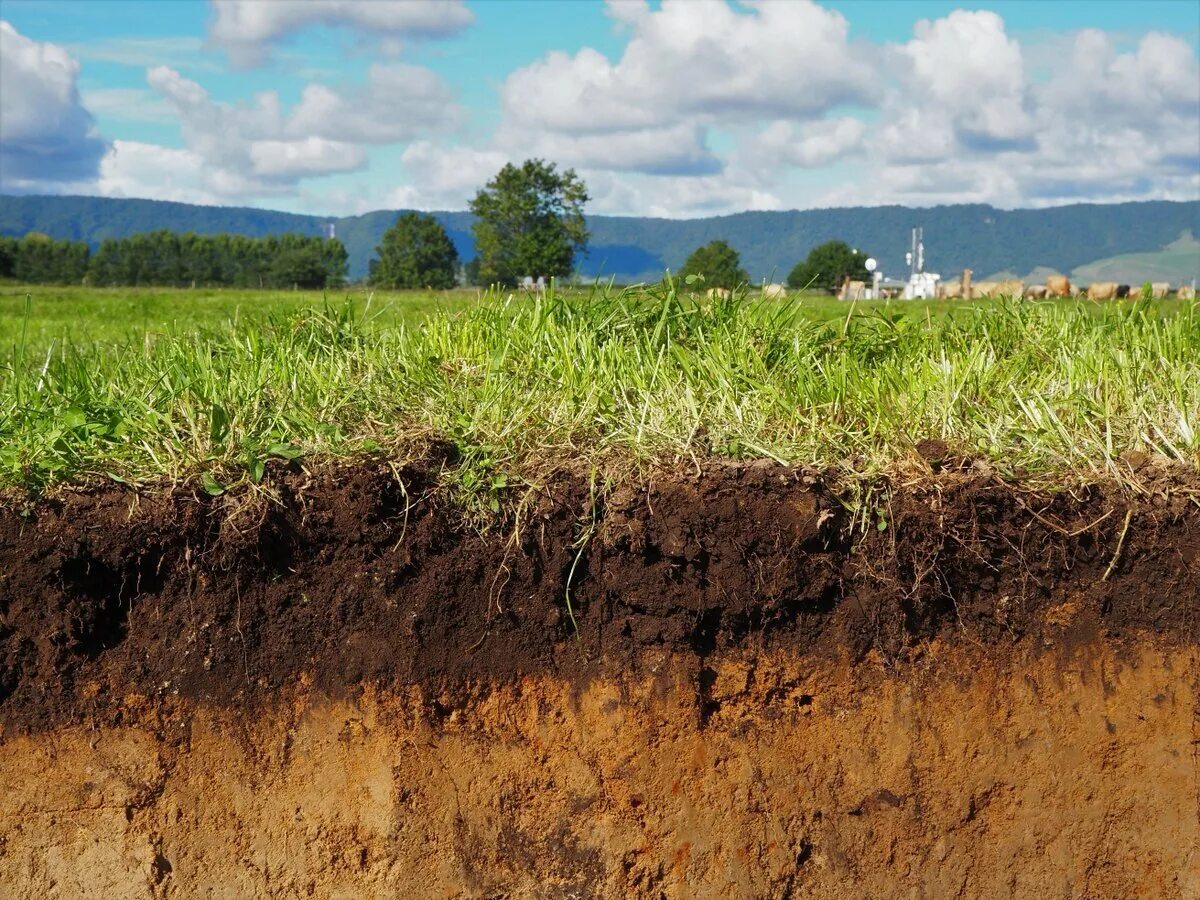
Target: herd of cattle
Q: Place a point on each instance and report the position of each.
(1055, 286)
(966, 289)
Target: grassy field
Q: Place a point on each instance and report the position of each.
(42, 314)
(149, 384)
(37, 317)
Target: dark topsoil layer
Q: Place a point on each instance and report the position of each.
(356, 575)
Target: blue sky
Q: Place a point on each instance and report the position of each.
(676, 108)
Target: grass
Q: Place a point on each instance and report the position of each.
(603, 379)
(42, 315)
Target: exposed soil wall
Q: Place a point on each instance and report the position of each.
(1055, 775)
(345, 692)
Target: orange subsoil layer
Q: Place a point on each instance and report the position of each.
(1029, 772)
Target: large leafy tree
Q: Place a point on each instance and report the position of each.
(828, 265)
(415, 252)
(719, 263)
(529, 221)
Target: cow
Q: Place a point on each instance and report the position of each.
(719, 294)
(1122, 291)
(1186, 292)
(984, 289)
(1036, 292)
(774, 292)
(1058, 286)
(1014, 287)
(852, 290)
(950, 289)
(1159, 289)
(1102, 290)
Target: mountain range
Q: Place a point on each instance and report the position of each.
(1128, 242)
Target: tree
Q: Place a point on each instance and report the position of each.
(415, 252)
(8, 256)
(828, 266)
(718, 263)
(38, 259)
(529, 221)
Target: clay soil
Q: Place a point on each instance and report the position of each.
(714, 684)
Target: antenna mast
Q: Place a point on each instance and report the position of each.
(916, 256)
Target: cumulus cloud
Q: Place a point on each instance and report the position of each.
(697, 59)
(959, 118)
(136, 169)
(247, 28)
(711, 107)
(397, 103)
(444, 177)
(688, 65)
(680, 149)
(255, 145)
(1105, 126)
(46, 135)
(293, 160)
(963, 76)
(243, 145)
(809, 145)
(678, 197)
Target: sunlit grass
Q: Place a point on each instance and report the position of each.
(611, 380)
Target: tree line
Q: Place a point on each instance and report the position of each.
(168, 259)
(529, 222)
(826, 267)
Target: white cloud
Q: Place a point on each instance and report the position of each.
(689, 65)
(677, 197)
(808, 145)
(672, 150)
(968, 75)
(46, 135)
(255, 146)
(444, 177)
(135, 169)
(247, 28)
(397, 103)
(1161, 76)
(1105, 127)
(304, 157)
(710, 108)
(697, 59)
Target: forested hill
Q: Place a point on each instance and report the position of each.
(981, 237)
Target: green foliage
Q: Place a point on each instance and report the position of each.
(38, 259)
(8, 256)
(529, 221)
(828, 266)
(415, 252)
(168, 259)
(718, 263)
(1147, 292)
